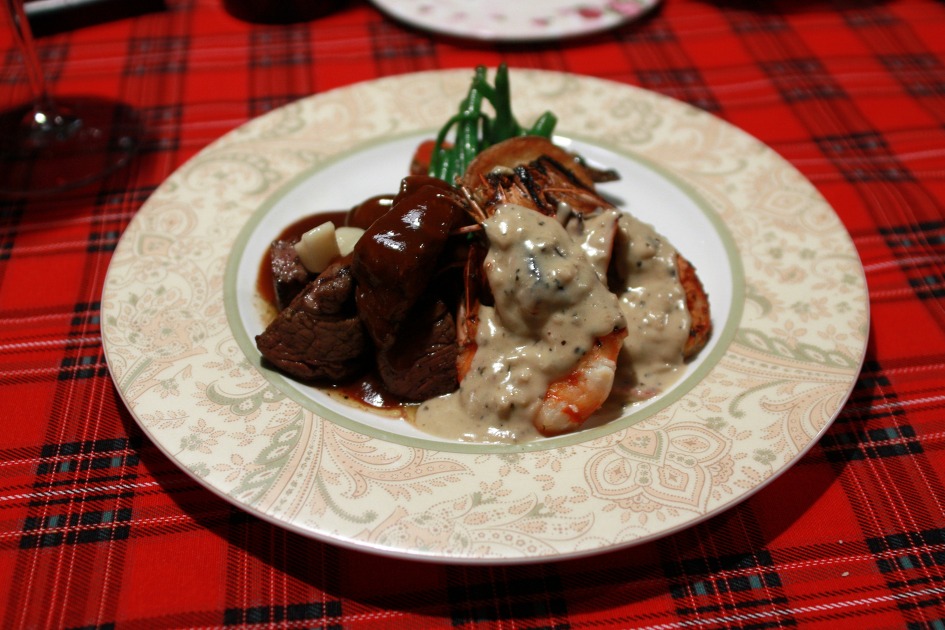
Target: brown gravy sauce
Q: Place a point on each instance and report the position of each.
(362, 216)
(368, 392)
(292, 232)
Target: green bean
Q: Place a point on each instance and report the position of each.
(439, 160)
(466, 146)
(474, 131)
(505, 126)
(544, 126)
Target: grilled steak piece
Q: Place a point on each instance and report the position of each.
(421, 363)
(289, 275)
(398, 255)
(319, 335)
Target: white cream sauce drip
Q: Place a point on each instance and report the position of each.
(654, 303)
(551, 303)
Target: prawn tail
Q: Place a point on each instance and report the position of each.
(573, 398)
(467, 314)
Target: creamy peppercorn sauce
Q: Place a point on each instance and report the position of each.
(549, 279)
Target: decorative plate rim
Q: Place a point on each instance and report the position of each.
(176, 364)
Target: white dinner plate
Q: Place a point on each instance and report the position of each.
(787, 290)
(501, 20)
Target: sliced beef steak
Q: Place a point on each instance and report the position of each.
(421, 363)
(319, 336)
(289, 275)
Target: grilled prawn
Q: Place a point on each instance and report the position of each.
(520, 290)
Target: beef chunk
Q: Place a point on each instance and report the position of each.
(398, 255)
(319, 335)
(289, 275)
(422, 362)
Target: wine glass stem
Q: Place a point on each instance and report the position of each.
(23, 37)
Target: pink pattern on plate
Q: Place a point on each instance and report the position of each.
(590, 13)
(624, 7)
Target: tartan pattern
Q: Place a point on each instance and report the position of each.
(99, 530)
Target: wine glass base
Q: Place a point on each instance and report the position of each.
(87, 139)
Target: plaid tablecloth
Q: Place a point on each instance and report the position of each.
(99, 530)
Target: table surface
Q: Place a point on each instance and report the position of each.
(98, 529)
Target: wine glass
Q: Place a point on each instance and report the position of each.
(50, 145)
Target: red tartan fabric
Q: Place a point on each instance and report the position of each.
(99, 530)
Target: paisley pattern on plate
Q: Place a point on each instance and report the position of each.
(784, 362)
(496, 20)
